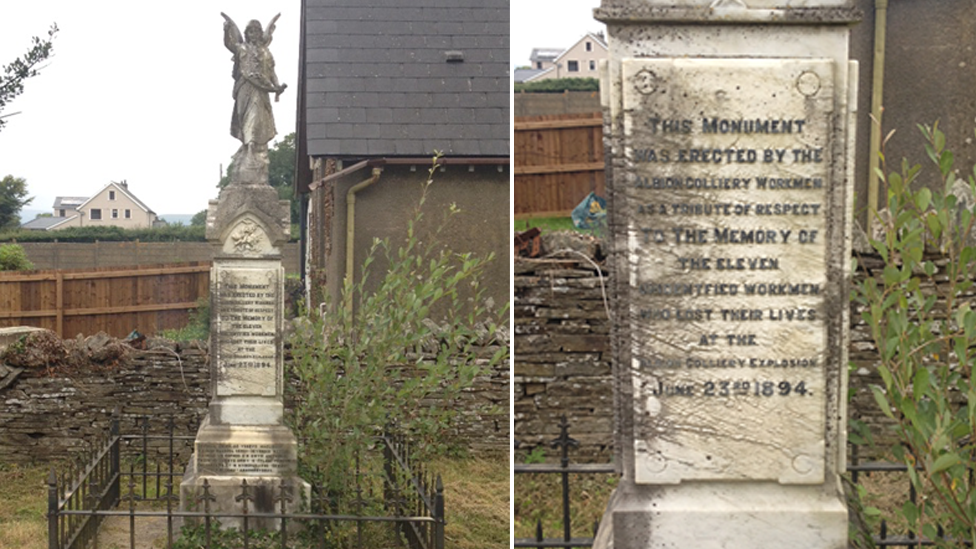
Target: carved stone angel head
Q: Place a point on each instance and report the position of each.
(253, 33)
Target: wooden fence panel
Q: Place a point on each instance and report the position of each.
(113, 300)
(558, 161)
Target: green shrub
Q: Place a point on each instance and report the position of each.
(197, 329)
(13, 258)
(386, 359)
(924, 326)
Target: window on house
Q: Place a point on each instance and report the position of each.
(128, 214)
(538, 64)
(572, 66)
(111, 195)
(95, 213)
(589, 46)
(61, 213)
(115, 214)
(592, 65)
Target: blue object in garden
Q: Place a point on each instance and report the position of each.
(591, 213)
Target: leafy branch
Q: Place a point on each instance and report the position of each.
(22, 68)
(924, 328)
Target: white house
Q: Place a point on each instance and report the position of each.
(113, 206)
(578, 61)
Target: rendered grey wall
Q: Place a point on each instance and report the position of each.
(383, 210)
(930, 74)
(86, 255)
(537, 104)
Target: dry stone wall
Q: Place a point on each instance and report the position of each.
(562, 355)
(50, 415)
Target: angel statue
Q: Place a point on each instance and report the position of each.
(254, 78)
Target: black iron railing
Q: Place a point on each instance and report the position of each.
(883, 538)
(88, 493)
(564, 442)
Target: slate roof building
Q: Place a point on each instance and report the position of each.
(543, 58)
(521, 75)
(383, 85)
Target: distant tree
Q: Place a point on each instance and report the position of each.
(45, 214)
(22, 68)
(559, 85)
(281, 171)
(13, 197)
(281, 157)
(199, 219)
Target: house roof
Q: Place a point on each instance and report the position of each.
(538, 75)
(524, 75)
(69, 201)
(124, 189)
(544, 54)
(599, 40)
(406, 77)
(45, 223)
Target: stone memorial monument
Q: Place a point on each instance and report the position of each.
(731, 137)
(243, 437)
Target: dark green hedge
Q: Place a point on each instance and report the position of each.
(559, 85)
(108, 234)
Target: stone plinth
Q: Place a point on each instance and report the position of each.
(224, 456)
(728, 515)
(730, 208)
(243, 437)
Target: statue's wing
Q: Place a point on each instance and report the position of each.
(269, 31)
(232, 34)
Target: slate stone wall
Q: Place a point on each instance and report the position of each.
(50, 416)
(562, 360)
(562, 356)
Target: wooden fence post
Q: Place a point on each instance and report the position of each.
(59, 303)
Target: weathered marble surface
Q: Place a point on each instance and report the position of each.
(727, 197)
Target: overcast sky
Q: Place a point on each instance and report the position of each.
(139, 91)
(549, 24)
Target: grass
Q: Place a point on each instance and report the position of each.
(545, 224)
(476, 498)
(538, 498)
(476, 494)
(23, 504)
(886, 492)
